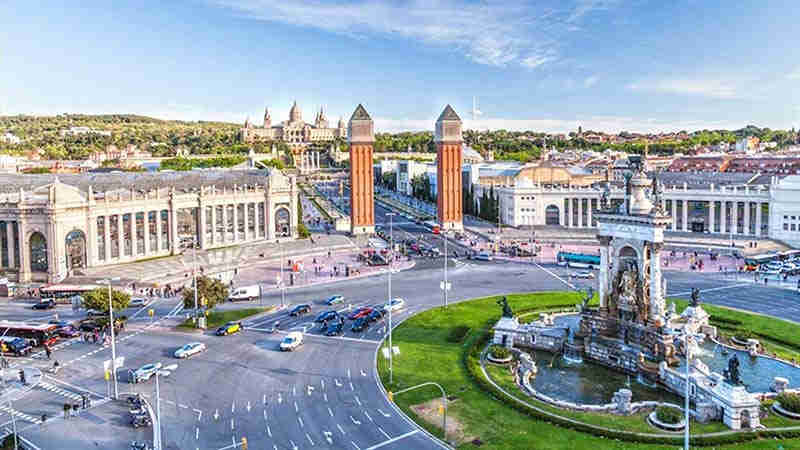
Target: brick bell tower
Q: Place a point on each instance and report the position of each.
(448, 171)
(361, 137)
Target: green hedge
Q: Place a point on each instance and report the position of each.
(789, 402)
(470, 361)
(499, 352)
(666, 414)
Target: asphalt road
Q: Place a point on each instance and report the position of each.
(324, 395)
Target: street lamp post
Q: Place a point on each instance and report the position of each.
(283, 284)
(194, 272)
(444, 402)
(391, 262)
(113, 344)
(446, 286)
(688, 363)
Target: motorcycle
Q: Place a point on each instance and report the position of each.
(135, 445)
(141, 421)
(135, 400)
(138, 411)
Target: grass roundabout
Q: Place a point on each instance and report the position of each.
(444, 346)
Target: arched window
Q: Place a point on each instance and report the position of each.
(38, 249)
(282, 226)
(76, 249)
(552, 215)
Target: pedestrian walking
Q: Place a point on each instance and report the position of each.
(47, 351)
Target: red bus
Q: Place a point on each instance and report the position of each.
(35, 333)
(65, 291)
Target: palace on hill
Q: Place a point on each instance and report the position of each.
(294, 132)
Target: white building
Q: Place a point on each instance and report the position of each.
(9, 138)
(407, 170)
(75, 131)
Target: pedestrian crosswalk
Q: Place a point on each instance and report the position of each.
(57, 390)
(19, 415)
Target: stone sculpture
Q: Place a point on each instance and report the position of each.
(503, 302)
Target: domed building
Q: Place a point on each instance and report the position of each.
(295, 132)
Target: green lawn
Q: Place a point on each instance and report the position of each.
(427, 355)
(218, 318)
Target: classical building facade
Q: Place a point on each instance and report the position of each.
(52, 227)
(295, 132)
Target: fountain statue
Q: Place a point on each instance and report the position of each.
(732, 372)
(695, 297)
(503, 302)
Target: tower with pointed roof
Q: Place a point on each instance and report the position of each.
(267, 118)
(295, 115)
(361, 137)
(448, 170)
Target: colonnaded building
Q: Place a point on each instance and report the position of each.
(294, 132)
(740, 204)
(52, 227)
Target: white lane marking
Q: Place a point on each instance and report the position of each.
(294, 447)
(280, 399)
(384, 414)
(328, 436)
(720, 288)
(340, 429)
(348, 373)
(363, 374)
(330, 411)
(309, 439)
(295, 407)
(197, 433)
(323, 383)
(384, 433)
(216, 414)
(300, 419)
(294, 391)
(337, 383)
(264, 401)
(325, 396)
(248, 406)
(354, 445)
(368, 416)
(233, 407)
(351, 387)
(358, 401)
(356, 422)
(395, 439)
(269, 432)
(570, 285)
(231, 423)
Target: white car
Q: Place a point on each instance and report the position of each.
(190, 350)
(587, 275)
(483, 256)
(395, 304)
(145, 372)
(138, 301)
(291, 341)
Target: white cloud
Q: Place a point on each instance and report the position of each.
(513, 32)
(590, 81)
(704, 87)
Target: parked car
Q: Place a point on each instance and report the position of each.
(334, 329)
(326, 316)
(95, 313)
(89, 326)
(229, 328)
(68, 331)
(361, 324)
(45, 304)
(483, 256)
(292, 341)
(190, 349)
(334, 300)
(395, 304)
(15, 346)
(145, 372)
(360, 312)
(375, 315)
(299, 310)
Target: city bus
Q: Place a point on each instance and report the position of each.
(433, 226)
(578, 260)
(35, 333)
(752, 263)
(63, 291)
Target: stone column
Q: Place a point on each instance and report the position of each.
(10, 237)
(120, 237)
(580, 212)
(747, 218)
(674, 215)
(246, 219)
(213, 238)
(224, 223)
(134, 239)
(711, 216)
(735, 217)
(723, 217)
(657, 303)
(107, 237)
(201, 235)
(173, 228)
(24, 255)
(235, 222)
(758, 218)
(259, 220)
(568, 211)
(589, 213)
(146, 226)
(602, 281)
(686, 215)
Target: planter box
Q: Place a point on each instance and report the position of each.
(665, 426)
(777, 408)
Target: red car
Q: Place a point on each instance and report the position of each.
(364, 311)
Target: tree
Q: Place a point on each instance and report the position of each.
(210, 291)
(97, 299)
(8, 442)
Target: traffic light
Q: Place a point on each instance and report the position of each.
(391, 396)
(244, 443)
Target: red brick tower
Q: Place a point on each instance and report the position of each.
(361, 137)
(448, 171)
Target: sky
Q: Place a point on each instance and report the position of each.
(552, 65)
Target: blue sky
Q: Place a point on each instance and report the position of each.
(637, 65)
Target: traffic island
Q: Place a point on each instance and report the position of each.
(493, 409)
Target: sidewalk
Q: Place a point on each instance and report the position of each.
(174, 268)
(12, 389)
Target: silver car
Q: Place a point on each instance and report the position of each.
(190, 350)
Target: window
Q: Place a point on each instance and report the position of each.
(793, 227)
(786, 227)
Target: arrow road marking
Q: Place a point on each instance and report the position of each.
(358, 401)
(328, 437)
(269, 432)
(368, 417)
(337, 383)
(280, 399)
(248, 406)
(264, 400)
(357, 422)
(340, 429)
(363, 374)
(294, 447)
(216, 414)
(295, 407)
(384, 414)
(233, 407)
(351, 387)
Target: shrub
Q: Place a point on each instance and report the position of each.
(719, 319)
(789, 402)
(666, 414)
(457, 334)
(743, 335)
(302, 231)
(499, 352)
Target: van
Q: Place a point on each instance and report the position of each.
(245, 293)
(292, 341)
